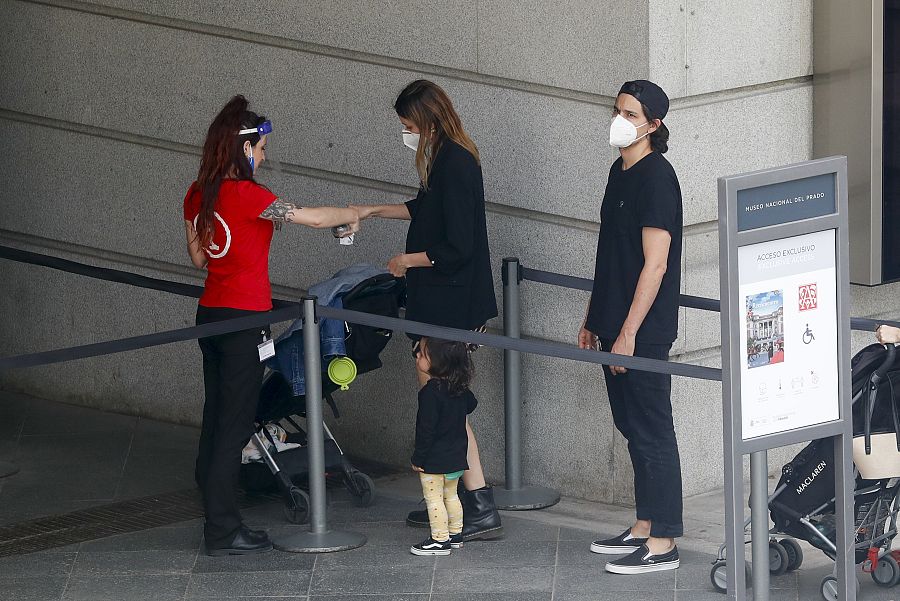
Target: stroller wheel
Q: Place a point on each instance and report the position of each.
(794, 553)
(718, 575)
(362, 488)
(297, 509)
(886, 572)
(829, 587)
(778, 559)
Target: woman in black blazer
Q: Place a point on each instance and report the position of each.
(447, 262)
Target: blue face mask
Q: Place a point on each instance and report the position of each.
(250, 158)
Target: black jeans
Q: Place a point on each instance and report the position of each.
(641, 404)
(232, 375)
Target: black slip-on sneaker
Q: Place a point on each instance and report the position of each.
(619, 545)
(456, 540)
(431, 547)
(642, 561)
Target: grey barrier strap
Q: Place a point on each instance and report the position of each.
(110, 275)
(687, 300)
(536, 347)
(225, 326)
(292, 311)
(868, 325)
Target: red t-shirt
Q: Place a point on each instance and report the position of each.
(238, 267)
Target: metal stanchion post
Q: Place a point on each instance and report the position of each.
(514, 495)
(759, 524)
(319, 539)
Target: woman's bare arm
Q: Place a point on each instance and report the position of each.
(198, 257)
(281, 211)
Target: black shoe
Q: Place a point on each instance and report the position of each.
(431, 547)
(480, 517)
(418, 518)
(254, 535)
(242, 544)
(642, 561)
(620, 545)
(456, 540)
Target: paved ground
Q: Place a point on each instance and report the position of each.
(72, 458)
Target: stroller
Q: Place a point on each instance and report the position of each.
(287, 470)
(802, 506)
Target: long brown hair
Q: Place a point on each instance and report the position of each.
(223, 156)
(427, 105)
(450, 363)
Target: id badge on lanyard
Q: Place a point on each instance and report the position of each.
(266, 348)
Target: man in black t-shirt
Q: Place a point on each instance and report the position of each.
(634, 311)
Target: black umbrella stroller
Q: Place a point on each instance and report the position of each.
(287, 470)
(802, 506)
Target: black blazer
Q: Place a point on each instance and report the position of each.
(448, 223)
(441, 441)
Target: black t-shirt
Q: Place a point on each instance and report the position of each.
(646, 195)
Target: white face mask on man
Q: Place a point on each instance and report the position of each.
(410, 140)
(623, 133)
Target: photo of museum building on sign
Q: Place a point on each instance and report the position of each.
(765, 328)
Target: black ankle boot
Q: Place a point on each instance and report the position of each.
(480, 517)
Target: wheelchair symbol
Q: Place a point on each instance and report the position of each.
(808, 335)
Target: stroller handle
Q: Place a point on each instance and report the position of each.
(878, 374)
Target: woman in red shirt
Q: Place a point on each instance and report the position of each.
(229, 220)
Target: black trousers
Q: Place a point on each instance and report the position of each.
(232, 375)
(641, 404)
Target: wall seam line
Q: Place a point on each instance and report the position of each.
(360, 56)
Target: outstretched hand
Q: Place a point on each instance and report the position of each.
(363, 211)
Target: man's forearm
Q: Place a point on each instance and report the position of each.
(644, 296)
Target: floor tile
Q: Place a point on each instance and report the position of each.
(37, 564)
(495, 580)
(372, 580)
(107, 563)
(500, 553)
(230, 585)
(185, 538)
(39, 588)
(577, 578)
(261, 562)
(136, 587)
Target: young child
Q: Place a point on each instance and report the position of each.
(441, 442)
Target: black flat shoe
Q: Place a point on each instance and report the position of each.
(243, 544)
(254, 535)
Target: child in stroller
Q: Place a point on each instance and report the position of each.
(282, 398)
(802, 506)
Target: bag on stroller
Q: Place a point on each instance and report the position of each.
(802, 506)
(288, 470)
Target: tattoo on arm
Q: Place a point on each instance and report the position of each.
(279, 211)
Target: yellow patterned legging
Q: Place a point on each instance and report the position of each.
(445, 512)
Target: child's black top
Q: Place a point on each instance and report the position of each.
(441, 441)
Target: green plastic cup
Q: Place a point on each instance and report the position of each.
(342, 371)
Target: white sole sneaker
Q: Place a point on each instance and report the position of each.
(607, 550)
(656, 567)
(423, 552)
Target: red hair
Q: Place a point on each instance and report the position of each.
(223, 157)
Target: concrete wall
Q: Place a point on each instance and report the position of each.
(108, 104)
